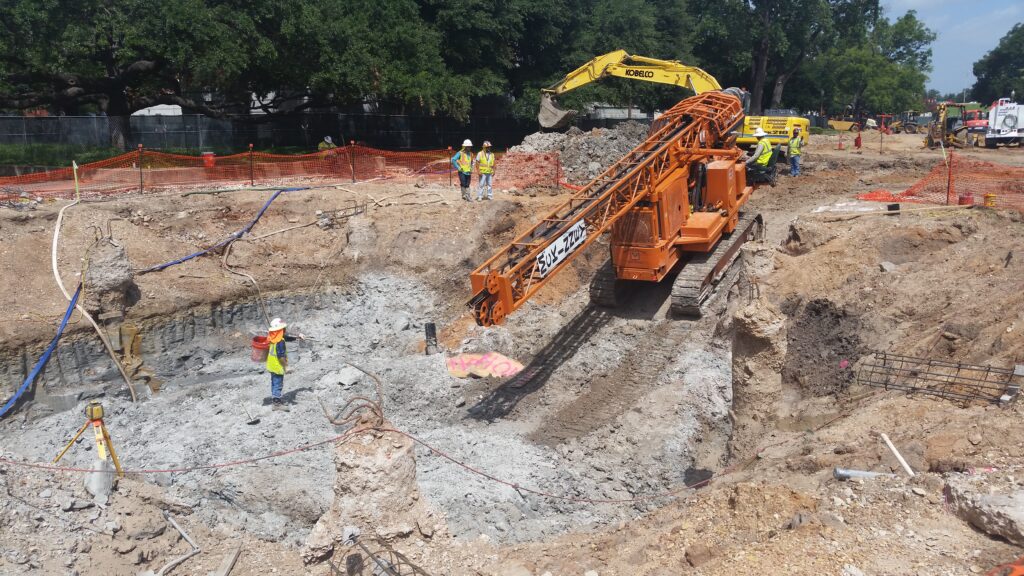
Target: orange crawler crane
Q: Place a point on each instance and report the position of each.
(673, 203)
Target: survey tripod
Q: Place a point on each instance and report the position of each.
(94, 417)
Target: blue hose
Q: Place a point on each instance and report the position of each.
(234, 236)
(74, 300)
(45, 357)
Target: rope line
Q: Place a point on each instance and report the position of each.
(358, 430)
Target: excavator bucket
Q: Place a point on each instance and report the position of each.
(550, 116)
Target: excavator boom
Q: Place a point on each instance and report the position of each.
(621, 64)
(694, 131)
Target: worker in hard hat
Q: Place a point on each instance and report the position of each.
(277, 361)
(326, 144)
(763, 152)
(794, 150)
(485, 165)
(760, 158)
(463, 163)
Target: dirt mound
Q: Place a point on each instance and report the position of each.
(584, 155)
(806, 235)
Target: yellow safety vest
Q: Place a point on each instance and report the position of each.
(465, 162)
(274, 365)
(485, 162)
(766, 153)
(794, 145)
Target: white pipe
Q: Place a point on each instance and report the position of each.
(899, 457)
(60, 284)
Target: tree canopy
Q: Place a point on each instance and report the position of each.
(222, 57)
(1001, 71)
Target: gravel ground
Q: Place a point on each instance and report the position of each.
(199, 418)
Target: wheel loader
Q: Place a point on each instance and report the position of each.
(947, 129)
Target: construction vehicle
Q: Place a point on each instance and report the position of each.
(947, 129)
(844, 125)
(908, 123)
(672, 204)
(623, 65)
(1015, 568)
(1005, 123)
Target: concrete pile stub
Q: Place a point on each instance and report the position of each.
(375, 490)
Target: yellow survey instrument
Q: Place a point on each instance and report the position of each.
(94, 415)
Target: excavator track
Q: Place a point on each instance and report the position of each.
(605, 289)
(695, 282)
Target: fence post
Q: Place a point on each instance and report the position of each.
(140, 169)
(252, 175)
(558, 170)
(449, 166)
(352, 155)
(950, 196)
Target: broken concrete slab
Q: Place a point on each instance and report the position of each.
(1000, 514)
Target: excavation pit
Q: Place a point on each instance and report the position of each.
(655, 430)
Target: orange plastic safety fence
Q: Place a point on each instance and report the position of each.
(963, 181)
(144, 170)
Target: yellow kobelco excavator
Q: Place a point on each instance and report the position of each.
(623, 65)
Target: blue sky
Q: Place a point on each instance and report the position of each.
(966, 29)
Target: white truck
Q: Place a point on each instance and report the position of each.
(1005, 123)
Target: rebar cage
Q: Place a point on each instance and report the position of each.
(951, 380)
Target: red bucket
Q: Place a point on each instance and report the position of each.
(260, 348)
(209, 159)
(965, 199)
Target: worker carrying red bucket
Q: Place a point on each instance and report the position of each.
(272, 349)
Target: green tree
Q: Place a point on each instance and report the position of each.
(211, 56)
(1001, 71)
(884, 72)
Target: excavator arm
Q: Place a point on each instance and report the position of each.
(694, 130)
(621, 64)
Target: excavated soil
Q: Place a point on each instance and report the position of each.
(820, 338)
(759, 396)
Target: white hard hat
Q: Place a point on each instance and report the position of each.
(328, 139)
(760, 133)
(467, 143)
(487, 143)
(277, 324)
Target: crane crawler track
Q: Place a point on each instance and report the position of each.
(695, 282)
